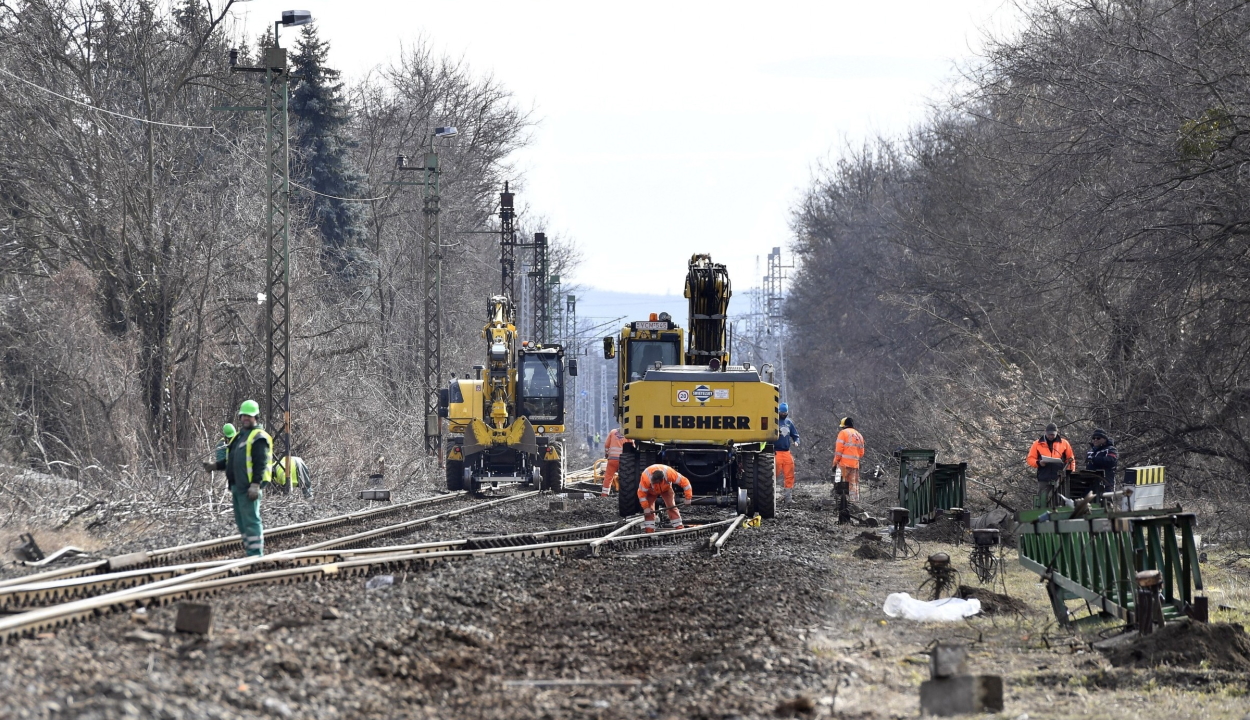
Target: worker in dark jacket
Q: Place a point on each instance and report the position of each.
(247, 465)
(1102, 457)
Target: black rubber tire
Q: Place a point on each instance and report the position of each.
(455, 475)
(628, 474)
(764, 486)
(553, 477)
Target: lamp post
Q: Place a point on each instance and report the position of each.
(433, 286)
(278, 229)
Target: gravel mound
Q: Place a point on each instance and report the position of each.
(993, 603)
(1222, 646)
(871, 551)
(941, 530)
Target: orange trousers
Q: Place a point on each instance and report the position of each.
(850, 476)
(785, 466)
(609, 474)
(647, 501)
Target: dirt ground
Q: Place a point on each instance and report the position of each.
(786, 623)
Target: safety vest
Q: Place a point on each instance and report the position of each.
(850, 448)
(251, 437)
(279, 471)
(614, 444)
(671, 478)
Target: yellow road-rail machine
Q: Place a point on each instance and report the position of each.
(506, 421)
(690, 409)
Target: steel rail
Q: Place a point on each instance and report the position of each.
(61, 590)
(208, 582)
(719, 543)
(205, 547)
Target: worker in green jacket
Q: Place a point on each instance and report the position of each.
(227, 433)
(247, 465)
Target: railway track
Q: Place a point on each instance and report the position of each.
(216, 547)
(44, 592)
(317, 565)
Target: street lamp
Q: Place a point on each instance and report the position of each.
(290, 18)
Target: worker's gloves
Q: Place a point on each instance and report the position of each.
(686, 501)
(209, 466)
(253, 491)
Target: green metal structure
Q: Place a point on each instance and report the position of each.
(926, 487)
(1095, 553)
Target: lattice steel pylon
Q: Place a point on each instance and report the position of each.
(278, 254)
(433, 261)
(556, 334)
(541, 295)
(278, 239)
(507, 243)
(774, 293)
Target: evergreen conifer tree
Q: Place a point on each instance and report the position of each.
(320, 140)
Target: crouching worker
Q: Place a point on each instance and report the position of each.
(657, 482)
(300, 476)
(247, 465)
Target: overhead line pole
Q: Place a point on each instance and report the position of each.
(278, 232)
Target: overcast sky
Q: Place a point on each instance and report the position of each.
(669, 128)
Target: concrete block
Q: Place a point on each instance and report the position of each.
(961, 695)
(558, 505)
(383, 495)
(948, 660)
(194, 618)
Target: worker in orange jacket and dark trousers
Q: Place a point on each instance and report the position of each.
(847, 453)
(612, 451)
(657, 482)
(787, 435)
(1051, 455)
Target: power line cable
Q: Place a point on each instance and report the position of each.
(100, 109)
(182, 127)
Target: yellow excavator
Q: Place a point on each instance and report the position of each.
(505, 421)
(690, 409)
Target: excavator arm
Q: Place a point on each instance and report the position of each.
(708, 292)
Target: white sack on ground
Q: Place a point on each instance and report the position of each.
(944, 610)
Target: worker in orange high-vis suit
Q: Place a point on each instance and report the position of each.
(1052, 454)
(847, 454)
(657, 482)
(612, 451)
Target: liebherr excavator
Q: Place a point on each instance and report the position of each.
(504, 423)
(712, 421)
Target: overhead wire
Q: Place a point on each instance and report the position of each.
(180, 126)
(100, 109)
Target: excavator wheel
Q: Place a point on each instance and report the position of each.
(455, 475)
(764, 485)
(553, 475)
(628, 474)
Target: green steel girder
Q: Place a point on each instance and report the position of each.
(927, 487)
(1097, 558)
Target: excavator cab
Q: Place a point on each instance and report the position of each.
(644, 354)
(540, 385)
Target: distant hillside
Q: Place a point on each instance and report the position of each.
(604, 305)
